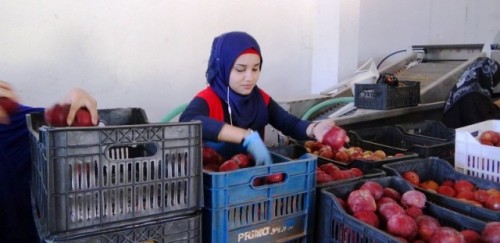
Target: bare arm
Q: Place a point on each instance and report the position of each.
(232, 134)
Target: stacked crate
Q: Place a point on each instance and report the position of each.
(125, 180)
(239, 207)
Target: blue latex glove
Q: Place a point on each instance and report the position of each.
(255, 146)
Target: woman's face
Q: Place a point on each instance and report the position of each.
(245, 73)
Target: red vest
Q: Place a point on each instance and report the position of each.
(215, 106)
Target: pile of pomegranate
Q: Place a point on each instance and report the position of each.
(463, 190)
(214, 162)
(344, 154)
(329, 172)
(401, 214)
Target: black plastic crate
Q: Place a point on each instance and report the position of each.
(392, 139)
(83, 177)
(175, 229)
(381, 96)
(428, 128)
(336, 225)
(371, 164)
(440, 170)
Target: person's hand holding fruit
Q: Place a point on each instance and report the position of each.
(325, 131)
(77, 108)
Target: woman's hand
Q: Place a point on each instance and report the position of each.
(319, 129)
(6, 91)
(79, 98)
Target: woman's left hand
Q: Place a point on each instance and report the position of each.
(79, 98)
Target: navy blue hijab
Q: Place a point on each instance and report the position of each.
(247, 111)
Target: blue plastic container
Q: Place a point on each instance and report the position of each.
(238, 210)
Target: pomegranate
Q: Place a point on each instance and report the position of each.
(488, 137)
(242, 159)
(491, 232)
(426, 226)
(368, 217)
(275, 178)
(470, 236)
(210, 156)
(493, 202)
(402, 225)
(447, 234)
(412, 177)
(413, 198)
(335, 138)
(375, 189)
(463, 185)
(388, 210)
(82, 118)
(228, 165)
(56, 115)
(361, 200)
(392, 193)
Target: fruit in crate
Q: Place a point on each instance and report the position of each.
(465, 191)
(8, 105)
(57, 115)
(406, 220)
(275, 178)
(446, 234)
(346, 155)
(361, 200)
(412, 177)
(491, 232)
(82, 118)
(243, 160)
(470, 235)
(210, 156)
(426, 226)
(228, 165)
(329, 172)
(490, 137)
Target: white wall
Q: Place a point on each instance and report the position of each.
(148, 53)
(152, 53)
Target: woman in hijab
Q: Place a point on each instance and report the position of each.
(232, 106)
(470, 100)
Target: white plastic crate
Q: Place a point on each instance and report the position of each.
(472, 157)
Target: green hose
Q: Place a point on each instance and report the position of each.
(324, 104)
(178, 110)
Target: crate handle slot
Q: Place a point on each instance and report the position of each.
(131, 151)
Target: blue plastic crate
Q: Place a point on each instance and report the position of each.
(237, 211)
(440, 170)
(336, 225)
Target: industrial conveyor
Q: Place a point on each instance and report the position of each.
(436, 67)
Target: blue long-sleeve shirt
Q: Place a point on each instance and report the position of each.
(16, 219)
(279, 118)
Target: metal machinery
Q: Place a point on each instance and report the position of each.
(436, 67)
